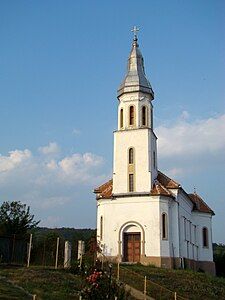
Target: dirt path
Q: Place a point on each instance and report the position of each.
(136, 293)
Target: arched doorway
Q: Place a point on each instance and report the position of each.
(131, 243)
(131, 234)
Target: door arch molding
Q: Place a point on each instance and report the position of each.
(120, 237)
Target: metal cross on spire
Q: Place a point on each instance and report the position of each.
(195, 190)
(135, 31)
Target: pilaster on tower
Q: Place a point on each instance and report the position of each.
(135, 151)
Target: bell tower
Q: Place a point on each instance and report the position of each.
(135, 150)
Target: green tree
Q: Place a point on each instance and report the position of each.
(15, 218)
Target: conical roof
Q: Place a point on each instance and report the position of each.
(135, 80)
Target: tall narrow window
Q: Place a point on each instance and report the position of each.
(101, 227)
(131, 182)
(144, 117)
(164, 226)
(151, 118)
(121, 118)
(190, 232)
(195, 240)
(131, 155)
(205, 237)
(154, 160)
(131, 115)
(187, 249)
(185, 231)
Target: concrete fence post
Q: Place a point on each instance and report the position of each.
(145, 287)
(81, 249)
(67, 255)
(80, 252)
(29, 251)
(57, 253)
(118, 271)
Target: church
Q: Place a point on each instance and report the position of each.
(142, 214)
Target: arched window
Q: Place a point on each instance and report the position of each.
(205, 237)
(131, 182)
(131, 155)
(144, 116)
(131, 169)
(131, 115)
(121, 118)
(164, 226)
(101, 227)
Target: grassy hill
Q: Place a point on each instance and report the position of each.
(188, 284)
(161, 284)
(46, 284)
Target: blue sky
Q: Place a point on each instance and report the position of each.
(61, 63)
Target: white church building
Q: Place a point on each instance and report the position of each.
(142, 214)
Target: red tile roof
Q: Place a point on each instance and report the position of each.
(105, 190)
(199, 204)
(160, 190)
(161, 187)
(167, 182)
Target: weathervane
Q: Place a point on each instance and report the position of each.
(135, 31)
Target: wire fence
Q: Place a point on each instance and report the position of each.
(46, 252)
(142, 283)
(13, 250)
(50, 252)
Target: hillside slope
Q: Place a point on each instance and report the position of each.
(187, 283)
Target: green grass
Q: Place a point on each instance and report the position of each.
(45, 283)
(188, 284)
(9, 292)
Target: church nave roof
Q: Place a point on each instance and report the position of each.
(161, 187)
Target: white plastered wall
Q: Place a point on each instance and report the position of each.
(191, 224)
(143, 212)
(141, 140)
(204, 220)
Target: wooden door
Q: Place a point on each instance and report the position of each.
(132, 247)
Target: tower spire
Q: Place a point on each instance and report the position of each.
(135, 79)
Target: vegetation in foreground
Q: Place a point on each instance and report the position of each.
(46, 284)
(219, 259)
(49, 284)
(8, 291)
(187, 283)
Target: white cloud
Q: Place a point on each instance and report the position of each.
(14, 159)
(45, 182)
(186, 148)
(51, 165)
(51, 148)
(184, 138)
(76, 131)
(78, 162)
(79, 167)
